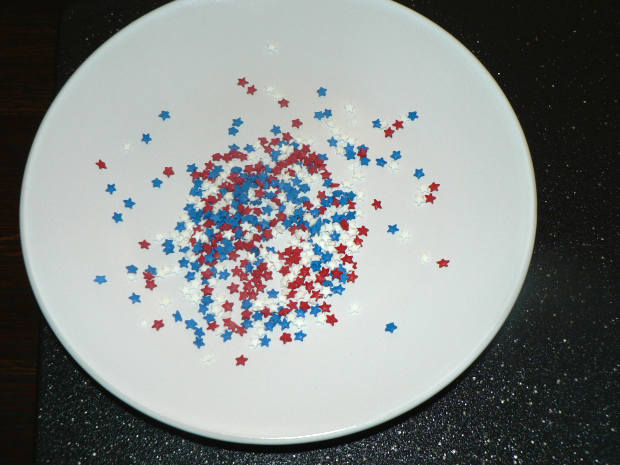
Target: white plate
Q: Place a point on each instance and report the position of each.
(376, 60)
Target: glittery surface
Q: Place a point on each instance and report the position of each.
(546, 389)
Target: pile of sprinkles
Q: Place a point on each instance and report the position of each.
(267, 226)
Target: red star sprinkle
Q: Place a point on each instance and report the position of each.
(241, 359)
(296, 123)
(363, 230)
(443, 263)
(430, 198)
(341, 248)
(388, 132)
(158, 324)
(331, 319)
(251, 90)
(286, 337)
(434, 187)
(168, 171)
(150, 285)
(242, 82)
(228, 306)
(212, 326)
(101, 164)
(377, 204)
(283, 103)
(398, 124)
(144, 244)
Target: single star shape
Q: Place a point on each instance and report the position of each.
(275, 130)
(158, 324)
(129, 203)
(283, 103)
(251, 90)
(111, 189)
(157, 182)
(237, 122)
(117, 217)
(226, 335)
(144, 244)
(430, 198)
(233, 131)
(300, 335)
(433, 187)
(135, 298)
(198, 342)
(443, 263)
(146, 138)
(396, 155)
(398, 125)
(242, 82)
(150, 284)
(381, 162)
(419, 172)
(286, 337)
(168, 171)
(322, 91)
(365, 161)
(413, 115)
(327, 113)
(164, 115)
(376, 123)
(101, 164)
(264, 341)
(241, 360)
(331, 319)
(376, 204)
(332, 142)
(319, 115)
(392, 228)
(388, 132)
(390, 327)
(363, 230)
(131, 269)
(100, 279)
(296, 123)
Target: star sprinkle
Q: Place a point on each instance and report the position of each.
(430, 198)
(144, 244)
(392, 228)
(242, 82)
(381, 162)
(251, 90)
(146, 138)
(300, 335)
(237, 122)
(135, 298)
(413, 115)
(443, 263)
(396, 155)
(283, 103)
(390, 327)
(164, 115)
(296, 123)
(376, 204)
(157, 182)
(331, 319)
(376, 123)
(132, 269)
(100, 279)
(397, 125)
(129, 203)
(433, 187)
(241, 360)
(117, 217)
(321, 91)
(419, 172)
(388, 132)
(264, 341)
(158, 324)
(168, 171)
(111, 189)
(101, 165)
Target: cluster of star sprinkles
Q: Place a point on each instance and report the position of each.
(267, 235)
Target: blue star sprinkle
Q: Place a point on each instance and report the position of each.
(413, 115)
(177, 316)
(227, 335)
(146, 138)
(111, 188)
(133, 269)
(365, 161)
(198, 342)
(233, 131)
(392, 228)
(100, 279)
(300, 335)
(319, 115)
(135, 298)
(390, 327)
(237, 122)
(327, 113)
(381, 162)
(322, 91)
(396, 155)
(164, 115)
(157, 182)
(332, 142)
(264, 341)
(129, 203)
(191, 168)
(249, 148)
(275, 130)
(419, 172)
(117, 217)
(376, 123)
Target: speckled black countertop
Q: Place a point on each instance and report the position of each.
(546, 389)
